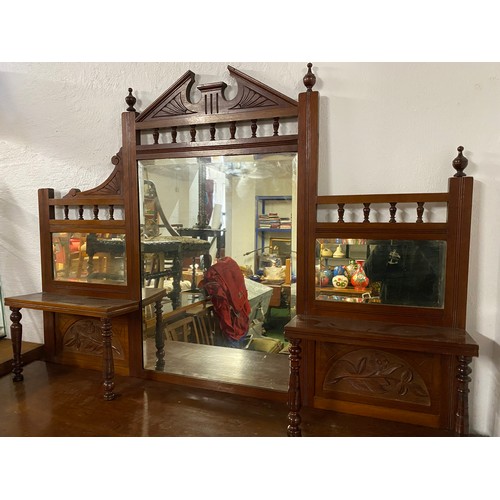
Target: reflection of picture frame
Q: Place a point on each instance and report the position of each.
(281, 247)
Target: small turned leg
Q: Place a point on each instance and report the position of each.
(108, 366)
(159, 337)
(177, 272)
(16, 333)
(462, 412)
(294, 397)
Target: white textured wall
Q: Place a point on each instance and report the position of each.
(384, 127)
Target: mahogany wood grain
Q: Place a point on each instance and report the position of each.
(62, 401)
(98, 307)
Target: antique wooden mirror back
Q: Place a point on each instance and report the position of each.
(216, 186)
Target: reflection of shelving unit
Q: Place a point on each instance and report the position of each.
(271, 224)
(350, 251)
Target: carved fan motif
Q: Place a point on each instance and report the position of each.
(252, 99)
(174, 107)
(376, 373)
(85, 336)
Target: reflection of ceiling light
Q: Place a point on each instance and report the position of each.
(258, 166)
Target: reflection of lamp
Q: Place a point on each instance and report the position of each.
(202, 195)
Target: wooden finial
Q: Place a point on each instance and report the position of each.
(460, 163)
(310, 78)
(130, 100)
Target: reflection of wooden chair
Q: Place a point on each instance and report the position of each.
(197, 327)
(205, 324)
(181, 330)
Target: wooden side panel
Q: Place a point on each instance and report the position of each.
(78, 342)
(403, 386)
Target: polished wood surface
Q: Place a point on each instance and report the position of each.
(30, 351)
(56, 400)
(84, 306)
(224, 365)
(96, 307)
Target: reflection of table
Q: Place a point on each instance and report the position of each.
(175, 248)
(348, 294)
(115, 247)
(154, 296)
(103, 308)
(165, 247)
(204, 234)
(188, 303)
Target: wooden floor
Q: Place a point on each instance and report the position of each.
(29, 350)
(55, 400)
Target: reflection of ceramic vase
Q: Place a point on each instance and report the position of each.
(339, 270)
(359, 279)
(326, 252)
(340, 281)
(326, 277)
(351, 268)
(338, 254)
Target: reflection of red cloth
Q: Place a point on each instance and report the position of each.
(74, 244)
(225, 285)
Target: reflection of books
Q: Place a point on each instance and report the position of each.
(272, 220)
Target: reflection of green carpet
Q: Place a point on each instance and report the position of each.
(275, 322)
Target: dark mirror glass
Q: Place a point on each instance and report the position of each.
(89, 258)
(394, 272)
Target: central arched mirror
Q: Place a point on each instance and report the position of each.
(217, 181)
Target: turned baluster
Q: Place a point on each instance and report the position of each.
(462, 410)
(159, 337)
(96, 212)
(66, 212)
(420, 211)
(108, 365)
(111, 212)
(212, 131)
(156, 135)
(173, 133)
(294, 397)
(80, 212)
(392, 212)
(192, 131)
(340, 211)
(366, 212)
(16, 334)
(176, 271)
(254, 128)
(232, 130)
(276, 126)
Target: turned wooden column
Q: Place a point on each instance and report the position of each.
(16, 333)
(294, 397)
(462, 412)
(108, 365)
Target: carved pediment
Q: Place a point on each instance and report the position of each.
(251, 95)
(111, 186)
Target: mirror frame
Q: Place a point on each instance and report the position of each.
(174, 113)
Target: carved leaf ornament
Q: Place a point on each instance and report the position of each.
(376, 373)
